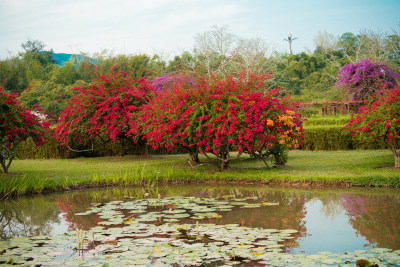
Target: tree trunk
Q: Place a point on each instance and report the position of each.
(5, 154)
(3, 164)
(224, 161)
(224, 165)
(279, 160)
(194, 157)
(396, 154)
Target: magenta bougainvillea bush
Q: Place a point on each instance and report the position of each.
(365, 80)
(17, 124)
(102, 108)
(380, 120)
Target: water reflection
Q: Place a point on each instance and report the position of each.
(336, 221)
(28, 217)
(376, 217)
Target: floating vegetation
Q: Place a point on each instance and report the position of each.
(154, 232)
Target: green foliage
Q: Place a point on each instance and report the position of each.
(138, 66)
(67, 74)
(51, 150)
(52, 97)
(13, 74)
(303, 71)
(342, 120)
(334, 137)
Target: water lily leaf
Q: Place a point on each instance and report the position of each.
(228, 196)
(178, 215)
(237, 203)
(289, 231)
(171, 220)
(249, 206)
(265, 203)
(380, 250)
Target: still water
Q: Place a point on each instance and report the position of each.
(333, 220)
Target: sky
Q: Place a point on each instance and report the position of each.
(168, 27)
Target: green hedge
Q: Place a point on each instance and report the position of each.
(28, 149)
(333, 137)
(327, 121)
(320, 137)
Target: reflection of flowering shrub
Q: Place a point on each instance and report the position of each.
(376, 217)
(289, 214)
(366, 79)
(70, 205)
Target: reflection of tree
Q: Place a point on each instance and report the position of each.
(376, 217)
(73, 203)
(70, 205)
(27, 217)
(332, 204)
(289, 214)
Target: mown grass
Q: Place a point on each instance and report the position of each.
(356, 167)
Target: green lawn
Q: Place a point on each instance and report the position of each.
(358, 167)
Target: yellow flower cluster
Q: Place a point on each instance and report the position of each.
(287, 120)
(284, 137)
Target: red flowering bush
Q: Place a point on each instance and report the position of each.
(164, 120)
(102, 108)
(255, 123)
(380, 120)
(17, 124)
(219, 115)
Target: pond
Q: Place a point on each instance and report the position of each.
(203, 225)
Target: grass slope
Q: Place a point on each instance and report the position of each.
(356, 167)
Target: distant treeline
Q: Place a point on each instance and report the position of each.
(37, 75)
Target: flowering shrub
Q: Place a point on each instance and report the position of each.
(380, 120)
(164, 120)
(17, 124)
(255, 123)
(366, 79)
(217, 116)
(102, 108)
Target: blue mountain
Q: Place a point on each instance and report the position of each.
(60, 58)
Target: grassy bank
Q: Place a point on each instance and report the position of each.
(358, 168)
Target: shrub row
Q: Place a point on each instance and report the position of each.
(329, 137)
(53, 149)
(333, 137)
(327, 121)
